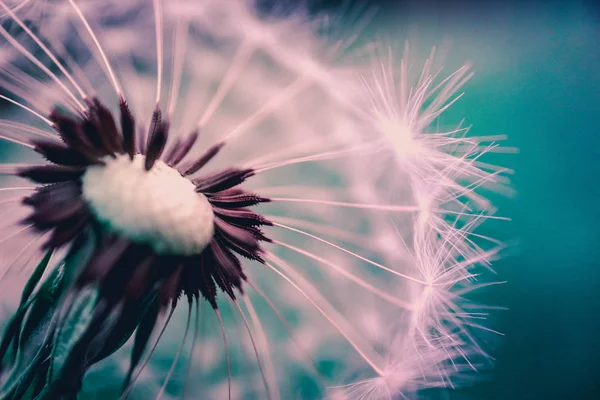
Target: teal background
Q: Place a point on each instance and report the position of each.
(537, 80)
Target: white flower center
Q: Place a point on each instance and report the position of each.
(159, 207)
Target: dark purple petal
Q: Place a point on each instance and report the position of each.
(140, 280)
(142, 336)
(241, 217)
(237, 234)
(146, 137)
(91, 131)
(155, 145)
(228, 262)
(229, 192)
(56, 194)
(127, 128)
(50, 215)
(249, 252)
(78, 135)
(51, 173)
(67, 231)
(218, 274)
(191, 279)
(169, 290)
(225, 200)
(106, 126)
(168, 158)
(61, 154)
(182, 149)
(243, 241)
(104, 260)
(204, 159)
(223, 180)
(207, 285)
(114, 283)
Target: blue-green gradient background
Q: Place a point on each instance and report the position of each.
(537, 80)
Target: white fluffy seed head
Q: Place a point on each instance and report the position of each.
(159, 207)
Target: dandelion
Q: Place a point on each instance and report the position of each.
(193, 152)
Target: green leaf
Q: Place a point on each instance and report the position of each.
(13, 327)
(30, 365)
(73, 327)
(46, 301)
(23, 375)
(130, 319)
(31, 339)
(142, 336)
(50, 295)
(35, 277)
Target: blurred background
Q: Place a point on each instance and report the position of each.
(537, 80)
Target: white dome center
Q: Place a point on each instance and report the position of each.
(159, 207)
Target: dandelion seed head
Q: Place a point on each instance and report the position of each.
(400, 136)
(157, 207)
(303, 241)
